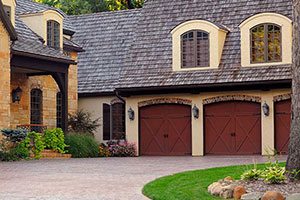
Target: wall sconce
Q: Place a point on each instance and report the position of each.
(195, 112)
(266, 109)
(131, 114)
(16, 95)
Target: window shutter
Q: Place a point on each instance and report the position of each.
(106, 122)
(36, 106)
(118, 121)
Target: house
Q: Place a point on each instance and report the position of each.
(189, 77)
(38, 66)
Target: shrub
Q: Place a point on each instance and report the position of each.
(104, 151)
(82, 146)
(274, 174)
(251, 174)
(14, 135)
(81, 122)
(123, 149)
(54, 139)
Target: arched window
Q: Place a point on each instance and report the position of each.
(266, 43)
(195, 49)
(58, 110)
(53, 34)
(36, 106)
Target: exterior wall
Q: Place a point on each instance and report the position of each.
(5, 94)
(94, 105)
(132, 127)
(73, 83)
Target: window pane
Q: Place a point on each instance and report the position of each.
(118, 121)
(36, 106)
(258, 43)
(188, 50)
(53, 34)
(58, 110)
(202, 49)
(274, 43)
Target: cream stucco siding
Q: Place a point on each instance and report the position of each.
(286, 37)
(94, 105)
(267, 129)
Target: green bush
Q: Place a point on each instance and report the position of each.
(54, 139)
(251, 174)
(82, 146)
(273, 173)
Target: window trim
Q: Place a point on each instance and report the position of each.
(195, 31)
(266, 53)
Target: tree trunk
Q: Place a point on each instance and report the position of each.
(293, 162)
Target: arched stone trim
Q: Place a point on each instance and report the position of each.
(116, 100)
(36, 86)
(282, 97)
(164, 101)
(232, 98)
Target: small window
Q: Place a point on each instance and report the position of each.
(195, 49)
(53, 34)
(266, 43)
(36, 106)
(59, 110)
(7, 10)
(114, 121)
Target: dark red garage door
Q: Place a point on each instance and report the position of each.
(282, 126)
(165, 130)
(233, 128)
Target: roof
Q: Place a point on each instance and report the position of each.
(106, 38)
(7, 23)
(149, 63)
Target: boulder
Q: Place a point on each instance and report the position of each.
(272, 195)
(215, 189)
(238, 192)
(293, 197)
(252, 196)
(228, 178)
(211, 186)
(227, 191)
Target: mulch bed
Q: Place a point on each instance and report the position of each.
(285, 188)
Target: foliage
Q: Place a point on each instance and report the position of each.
(104, 151)
(273, 173)
(36, 144)
(54, 139)
(81, 122)
(14, 135)
(251, 174)
(7, 151)
(23, 148)
(294, 175)
(82, 146)
(123, 149)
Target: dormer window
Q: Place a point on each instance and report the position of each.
(7, 10)
(53, 34)
(195, 49)
(265, 43)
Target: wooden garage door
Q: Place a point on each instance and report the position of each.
(282, 126)
(233, 128)
(165, 130)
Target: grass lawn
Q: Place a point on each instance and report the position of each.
(192, 185)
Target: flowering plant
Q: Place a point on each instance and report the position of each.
(123, 149)
(104, 151)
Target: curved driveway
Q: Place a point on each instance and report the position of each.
(99, 178)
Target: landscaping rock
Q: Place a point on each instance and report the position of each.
(211, 186)
(252, 196)
(238, 192)
(215, 189)
(227, 191)
(228, 178)
(293, 197)
(272, 195)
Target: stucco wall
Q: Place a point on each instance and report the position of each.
(94, 105)
(5, 95)
(132, 132)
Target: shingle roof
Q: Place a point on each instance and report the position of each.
(149, 63)
(106, 38)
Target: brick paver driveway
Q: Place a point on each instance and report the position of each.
(101, 178)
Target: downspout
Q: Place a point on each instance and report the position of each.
(119, 97)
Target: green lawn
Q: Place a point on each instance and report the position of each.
(192, 185)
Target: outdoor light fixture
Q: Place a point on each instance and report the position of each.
(131, 114)
(195, 112)
(16, 94)
(266, 109)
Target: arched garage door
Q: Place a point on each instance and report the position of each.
(282, 126)
(233, 128)
(165, 130)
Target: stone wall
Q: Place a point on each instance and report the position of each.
(5, 95)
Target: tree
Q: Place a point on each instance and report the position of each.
(293, 161)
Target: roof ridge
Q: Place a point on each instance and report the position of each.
(105, 13)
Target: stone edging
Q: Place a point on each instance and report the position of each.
(231, 98)
(165, 101)
(282, 97)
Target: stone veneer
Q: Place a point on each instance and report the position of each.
(164, 100)
(282, 97)
(232, 98)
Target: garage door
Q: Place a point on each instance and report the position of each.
(233, 128)
(282, 126)
(165, 130)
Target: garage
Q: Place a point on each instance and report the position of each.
(232, 128)
(165, 130)
(282, 126)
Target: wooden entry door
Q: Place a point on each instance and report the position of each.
(233, 128)
(282, 126)
(165, 130)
